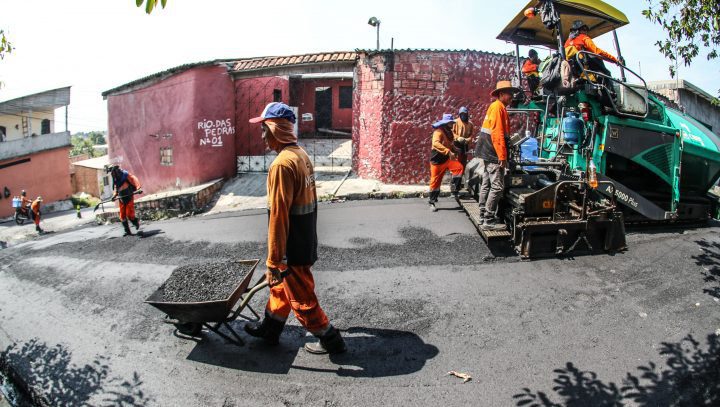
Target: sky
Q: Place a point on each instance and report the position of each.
(97, 45)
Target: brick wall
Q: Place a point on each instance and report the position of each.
(87, 180)
(399, 95)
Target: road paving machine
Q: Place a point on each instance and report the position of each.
(607, 151)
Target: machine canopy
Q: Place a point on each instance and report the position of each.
(599, 16)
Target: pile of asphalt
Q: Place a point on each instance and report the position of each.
(203, 281)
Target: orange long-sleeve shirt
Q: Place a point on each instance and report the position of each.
(497, 125)
(462, 129)
(584, 43)
(292, 210)
(530, 68)
(441, 142)
(35, 207)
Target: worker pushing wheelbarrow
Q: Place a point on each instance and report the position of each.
(292, 242)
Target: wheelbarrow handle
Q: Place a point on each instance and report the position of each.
(248, 296)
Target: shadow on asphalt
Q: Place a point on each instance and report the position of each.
(148, 233)
(691, 378)
(709, 260)
(371, 353)
(47, 377)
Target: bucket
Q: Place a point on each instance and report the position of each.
(16, 202)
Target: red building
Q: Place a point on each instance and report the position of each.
(189, 124)
(34, 152)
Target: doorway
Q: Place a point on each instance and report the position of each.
(323, 108)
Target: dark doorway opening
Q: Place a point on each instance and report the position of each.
(323, 108)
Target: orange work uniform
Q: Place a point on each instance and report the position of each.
(496, 126)
(440, 160)
(463, 133)
(124, 189)
(292, 236)
(530, 68)
(584, 43)
(35, 208)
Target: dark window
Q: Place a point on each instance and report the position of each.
(346, 97)
(45, 126)
(277, 95)
(3, 132)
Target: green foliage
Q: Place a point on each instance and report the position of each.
(150, 4)
(688, 24)
(97, 137)
(84, 200)
(82, 145)
(6, 46)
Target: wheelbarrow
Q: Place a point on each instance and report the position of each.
(189, 318)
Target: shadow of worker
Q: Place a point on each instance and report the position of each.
(374, 352)
(371, 353)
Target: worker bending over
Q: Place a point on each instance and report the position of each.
(36, 214)
(443, 157)
(292, 237)
(125, 186)
(492, 151)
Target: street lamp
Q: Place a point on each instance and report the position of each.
(373, 21)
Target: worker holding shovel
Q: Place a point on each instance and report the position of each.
(125, 186)
(292, 235)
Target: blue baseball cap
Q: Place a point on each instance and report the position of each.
(463, 110)
(275, 110)
(446, 118)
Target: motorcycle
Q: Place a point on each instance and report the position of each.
(22, 214)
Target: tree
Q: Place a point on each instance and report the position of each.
(97, 137)
(81, 145)
(5, 45)
(150, 4)
(688, 24)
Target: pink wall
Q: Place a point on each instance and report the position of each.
(192, 112)
(303, 96)
(398, 96)
(46, 174)
(251, 96)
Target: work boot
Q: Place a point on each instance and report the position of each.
(434, 195)
(136, 223)
(127, 228)
(269, 329)
(331, 342)
(455, 186)
(492, 224)
(38, 229)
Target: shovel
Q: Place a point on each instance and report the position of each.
(138, 192)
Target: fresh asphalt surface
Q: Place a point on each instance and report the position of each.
(416, 294)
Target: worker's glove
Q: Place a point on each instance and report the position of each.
(461, 140)
(621, 61)
(452, 155)
(273, 276)
(139, 191)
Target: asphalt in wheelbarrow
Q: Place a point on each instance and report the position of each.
(203, 282)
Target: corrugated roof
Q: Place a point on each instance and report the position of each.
(97, 163)
(386, 50)
(42, 101)
(168, 72)
(253, 64)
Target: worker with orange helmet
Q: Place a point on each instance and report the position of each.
(580, 41)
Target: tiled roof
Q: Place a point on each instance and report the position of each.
(280, 61)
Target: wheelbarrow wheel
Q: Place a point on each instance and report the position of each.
(189, 328)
